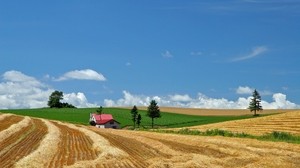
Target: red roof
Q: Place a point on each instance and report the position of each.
(103, 118)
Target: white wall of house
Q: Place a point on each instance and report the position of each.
(111, 124)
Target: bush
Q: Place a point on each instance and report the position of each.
(92, 123)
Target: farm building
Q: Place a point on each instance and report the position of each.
(104, 121)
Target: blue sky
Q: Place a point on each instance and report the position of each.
(205, 54)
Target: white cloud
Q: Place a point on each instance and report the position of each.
(180, 98)
(201, 101)
(244, 90)
(167, 54)
(18, 90)
(256, 51)
(78, 99)
(86, 74)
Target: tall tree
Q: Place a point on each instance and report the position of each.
(54, 99)
(153, 111)
(139, 118)
(99, 111)
(134, 113)
(255, 103)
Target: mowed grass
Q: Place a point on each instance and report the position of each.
(81, 116)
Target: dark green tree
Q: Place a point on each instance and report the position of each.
(153, 111)
(134, 113)
(138, 121)
(99, 111)
(54, 99)
(255, 103)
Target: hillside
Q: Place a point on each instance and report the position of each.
(35, 142)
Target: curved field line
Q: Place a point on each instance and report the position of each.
(47, 148)
(4, 115)
(25, 146)
(8, 121)
(14, 128)
(74, 146)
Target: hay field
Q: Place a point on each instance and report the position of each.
(285, 122)
(34, 142)
(215, 112)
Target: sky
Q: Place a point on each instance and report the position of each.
(192, 53)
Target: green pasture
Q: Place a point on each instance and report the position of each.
(81, 116)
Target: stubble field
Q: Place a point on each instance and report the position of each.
(34, 142)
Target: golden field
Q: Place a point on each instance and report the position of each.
(34, 142)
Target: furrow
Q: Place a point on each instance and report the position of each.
(8, 121)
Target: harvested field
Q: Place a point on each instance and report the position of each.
(80, 146)
(214, 112)
(286, 122)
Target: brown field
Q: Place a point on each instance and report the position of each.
(34, 142)
(214, 112)
(285, 122)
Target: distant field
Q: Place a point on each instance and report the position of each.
(35, 142)
(169, 119)
(216, 112)
(287, 122)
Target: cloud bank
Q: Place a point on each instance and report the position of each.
(86, 74)
(200, 101)
(18, 90)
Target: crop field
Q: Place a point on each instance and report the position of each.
(35, 142)
(286, 122)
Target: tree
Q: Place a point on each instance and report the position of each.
(153, 111)
(99, 111)
(139, 118)
(54, 99)
(255, 103)
(134, 113)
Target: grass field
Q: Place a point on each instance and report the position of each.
(168, 120)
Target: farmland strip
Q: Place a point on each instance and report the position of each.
(46, 149)
(8, 121)
(73, 147)
(27, 145)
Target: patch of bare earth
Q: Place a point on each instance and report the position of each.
(285, 122)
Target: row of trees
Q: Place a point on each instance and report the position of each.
(152, 112)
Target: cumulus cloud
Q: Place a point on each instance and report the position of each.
(86, 74)
(167, 54)
(18, 90)
(78, 99)
(244, 90)
(256, 51)
(200, 101)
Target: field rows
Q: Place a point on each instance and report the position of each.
(43, 143)
(285, 122)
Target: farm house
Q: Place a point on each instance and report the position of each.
(104, 121)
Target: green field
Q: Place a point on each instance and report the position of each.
(81, 116)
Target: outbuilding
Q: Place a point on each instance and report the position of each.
(104, 121)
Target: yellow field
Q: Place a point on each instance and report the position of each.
(285, 122)
(34, 142)
(215, 112)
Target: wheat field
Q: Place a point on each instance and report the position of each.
(285, 122)
(34, 142)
